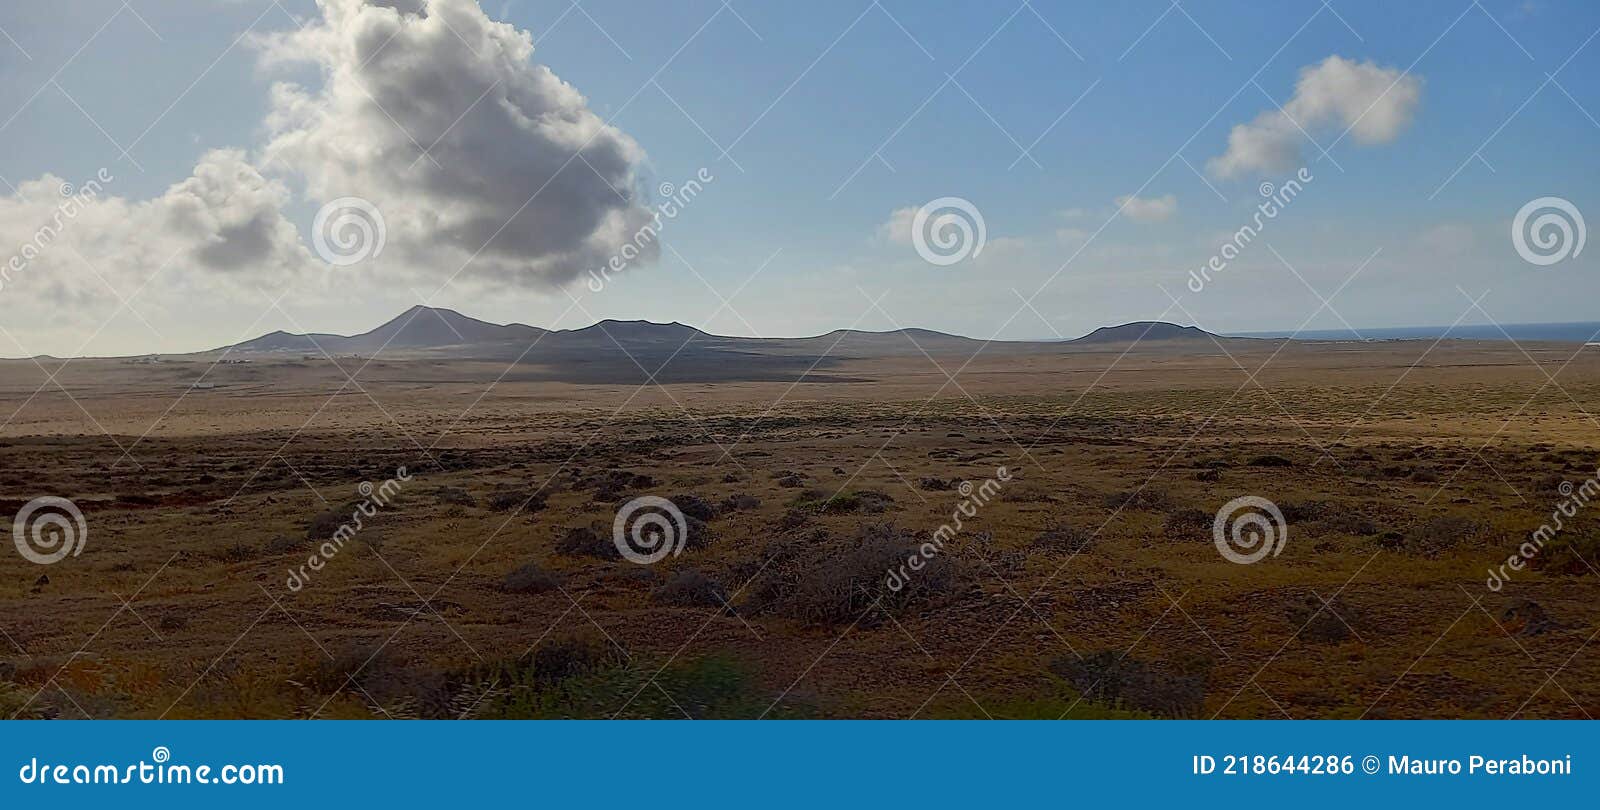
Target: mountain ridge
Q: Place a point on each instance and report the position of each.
(424, 328)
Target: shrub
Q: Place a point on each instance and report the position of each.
(826, 586)
(1064, 538)
(1145, 499)
(571, 656)
(740, 503)
(326, 523)
(1526, 618)
(283, 544)
(1352, 523)
(530, 578)
(508, 500)
(236, 553)
(691, 588)
(1112, 678)
(1186, 523)
(1571, 552)
(455, 496)
(1322, 623)
(1298, 511)
(694, 506)
(1270, 460)
(1438, 535)
(702, 688)
(588, 541)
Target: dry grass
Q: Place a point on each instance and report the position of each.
(1397, 508)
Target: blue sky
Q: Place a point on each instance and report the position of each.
(837, 114)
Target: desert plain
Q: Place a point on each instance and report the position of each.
(1087, 583)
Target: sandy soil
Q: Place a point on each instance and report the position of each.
(1089, 585)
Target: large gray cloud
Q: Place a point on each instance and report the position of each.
(476, 156)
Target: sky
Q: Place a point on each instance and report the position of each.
(178, 153)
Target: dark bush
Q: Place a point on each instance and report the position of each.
(326, 523)
(1321, 623)
(1187, 523)
(1526, 618)
(1433, 537)
(1354, 523)
(588, 541)
(510, 500)
(1111, 678)
(455, 496)
(1146, 499)
(1064, 538)
(571, 656)
(530, 578)
(1270, 460)
(694, 506)
(283, 544)
(236, 552)
(828, 586)
(1572, 551)
(691, 588)
(1299, 511)
(740, 502)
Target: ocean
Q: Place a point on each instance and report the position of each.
(1584, 332)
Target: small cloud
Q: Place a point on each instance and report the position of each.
(1073, 213)
(1072, 236)
(897, 230)
(1375, 104)
(1148, 209)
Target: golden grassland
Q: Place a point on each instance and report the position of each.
(1089, 587)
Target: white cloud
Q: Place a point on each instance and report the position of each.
(475, 155)
(1374, 103)
(1148, 209)
(224, 220)
(897, 230)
